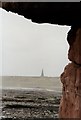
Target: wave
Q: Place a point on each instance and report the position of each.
(32, 89)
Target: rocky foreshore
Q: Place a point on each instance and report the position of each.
(29, 105)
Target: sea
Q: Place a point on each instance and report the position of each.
(31, 83)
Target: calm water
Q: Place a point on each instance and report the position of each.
(39, 83)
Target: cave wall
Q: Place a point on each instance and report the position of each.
(70, 106)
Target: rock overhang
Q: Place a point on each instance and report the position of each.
(61, 13)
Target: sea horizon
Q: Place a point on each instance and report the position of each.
(31, 83)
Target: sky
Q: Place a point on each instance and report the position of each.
(26, 47)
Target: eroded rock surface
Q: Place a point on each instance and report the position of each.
(75, 46)
(70, 103)
(29, 104)
(70, 106)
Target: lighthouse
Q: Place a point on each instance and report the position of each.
(42, 73)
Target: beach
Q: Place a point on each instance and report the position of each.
(29, 104)
(30, 98)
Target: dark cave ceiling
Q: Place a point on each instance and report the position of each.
(61, 13)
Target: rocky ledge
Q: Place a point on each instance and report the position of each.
(30, 105)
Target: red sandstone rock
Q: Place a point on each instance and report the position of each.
(75, 47)
(70, 103)
(70, 106)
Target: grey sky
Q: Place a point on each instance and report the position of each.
(28, 47)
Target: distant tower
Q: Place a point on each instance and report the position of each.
(42, 73)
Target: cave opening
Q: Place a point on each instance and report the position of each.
(28, 42)
(27, 46)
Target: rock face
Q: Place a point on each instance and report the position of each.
(70, 106)
(75, 51)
